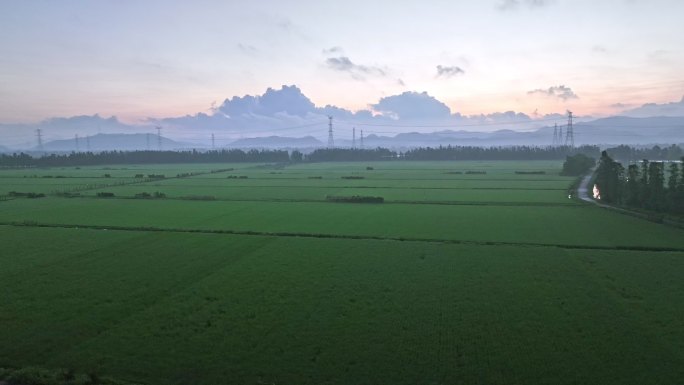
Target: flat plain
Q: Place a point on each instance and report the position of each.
(468, 273)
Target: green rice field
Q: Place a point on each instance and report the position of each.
(468, 273)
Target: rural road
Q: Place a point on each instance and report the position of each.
(585, 193)
(583, 189)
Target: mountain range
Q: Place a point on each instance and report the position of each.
(605, 131)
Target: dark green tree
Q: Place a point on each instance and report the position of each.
(296, 156)
(672, 184)
(632, 186)
(609, 176)
(656, 186)
(577, 164)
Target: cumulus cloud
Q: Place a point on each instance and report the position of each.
(560, 92)
(507, 5)
(356, 71)
(288, 99)
(449, 71)
(412, 105)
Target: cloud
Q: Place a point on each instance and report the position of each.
(288, 100)
(332, 50)
(655, 109)
(401, 83)
(412, 105)
(357, 71)
(619, 105)
(561, 92)
(247, 49)
(599, 49)
(508, 5)
(449, 71)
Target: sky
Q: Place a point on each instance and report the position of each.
(141, 59)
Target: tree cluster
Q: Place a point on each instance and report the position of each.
(497, 153)
(144, 157)
(654, 185)
(447, 153)
(350, 155)
(576, 165)
(632, 154)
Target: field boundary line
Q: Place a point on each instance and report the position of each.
(402, 202)
(339, 236)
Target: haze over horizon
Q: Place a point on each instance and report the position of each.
(450, 63)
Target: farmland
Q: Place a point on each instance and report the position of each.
(468, 273)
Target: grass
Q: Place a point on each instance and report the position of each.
(491, 293)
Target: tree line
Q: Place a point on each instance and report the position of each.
(652, 185)
(327, 155)
(144, 157)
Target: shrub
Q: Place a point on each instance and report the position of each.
(105, 194)
(30, 195)
(475, 172)
(369, 168)
(354, 199)
(353, 177)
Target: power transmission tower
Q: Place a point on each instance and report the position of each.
(354, 138)
(76, 141)
(39, 135)
(212, 142)
(159, 142)
(555, 135)
(331, 141)
(569, 133)
(361, 144)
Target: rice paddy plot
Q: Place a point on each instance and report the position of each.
(493, 278)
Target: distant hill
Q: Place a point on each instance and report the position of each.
(111, 142)
(606, 131)
(277, 142)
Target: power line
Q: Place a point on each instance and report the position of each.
(455, 125)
